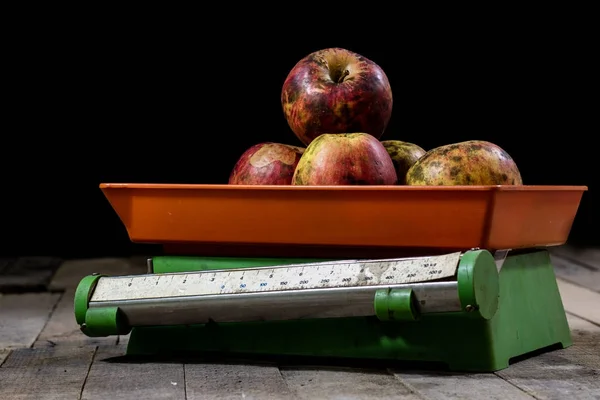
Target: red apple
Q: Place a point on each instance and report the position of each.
(404, 155)
(345, 159)
(336, 91)
(266, 164)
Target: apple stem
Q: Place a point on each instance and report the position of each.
(343, 75)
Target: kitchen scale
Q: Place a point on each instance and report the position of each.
(454, 275)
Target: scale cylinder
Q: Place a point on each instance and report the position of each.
(390, 290)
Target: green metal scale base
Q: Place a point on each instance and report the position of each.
(505, 314)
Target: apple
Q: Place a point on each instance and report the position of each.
(335, 90)
(471, 162)
(404, 155)
(266, 163)
(345, 159)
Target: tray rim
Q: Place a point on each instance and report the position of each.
(122, 197)
(365, 188)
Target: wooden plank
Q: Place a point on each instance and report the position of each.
(576, 273)
(447, 385)
(123, 340)
(554, 377)
(62, 328)
(586, 343)
(572, 373)
(443, 385)
(342, 383)
(577, 324)
(234, 381)
(3, 355)
(71, 272)
(113, 377)
(580, 301)
(589, 256)
(23, 317)
(585, 351)
(45, 374)
(27, 274)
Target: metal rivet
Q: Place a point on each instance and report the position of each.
(95, 274)
(469, 308)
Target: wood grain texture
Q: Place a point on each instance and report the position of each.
(586, 352)
(571, 373)
(45, 374)
(309, 383)
(57, 367)
(23, 316)
(114, 378)
(235, 381)
(3, 355)
(580, 301)
(576, 273)
(555, 376)
(62, 328)
(577, 325)
(588, 256)
(71, 272)
(27, 274)
(123, 340)
(448, 385)
(586, 340)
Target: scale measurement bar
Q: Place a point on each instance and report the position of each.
(287, 277)
(312, 290)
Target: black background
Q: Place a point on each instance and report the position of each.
(162, 100)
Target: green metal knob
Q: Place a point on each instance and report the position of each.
(395, 305)
(478, 284)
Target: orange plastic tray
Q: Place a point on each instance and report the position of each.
(291, 220)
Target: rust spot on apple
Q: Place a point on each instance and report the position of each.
(269, 154)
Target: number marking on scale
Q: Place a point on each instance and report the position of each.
(345, 273)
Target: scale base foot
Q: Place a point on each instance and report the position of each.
(530, 318)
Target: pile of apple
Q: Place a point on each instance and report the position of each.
(338, 104)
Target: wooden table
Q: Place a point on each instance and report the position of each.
(44, 356)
